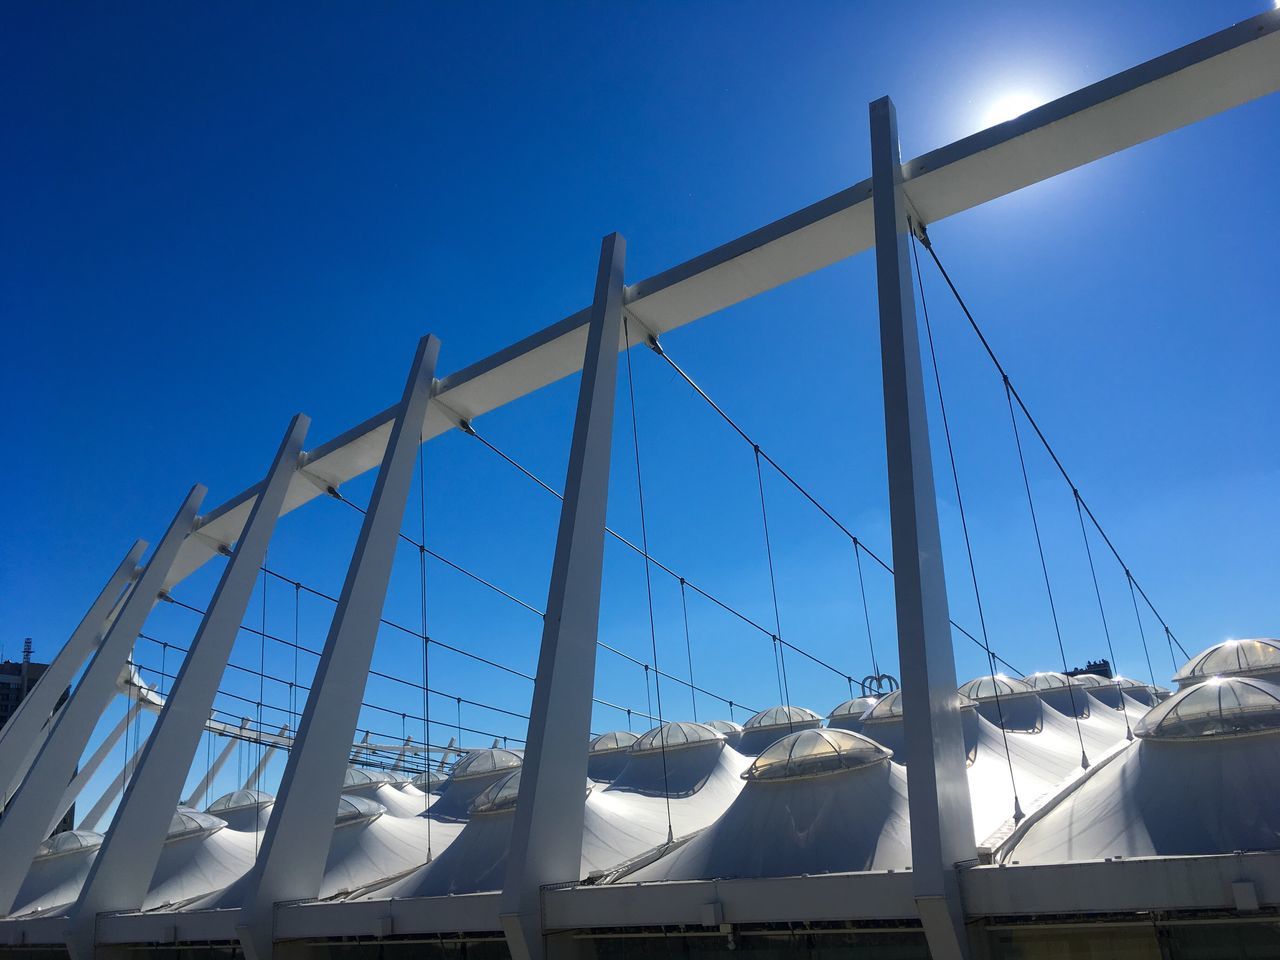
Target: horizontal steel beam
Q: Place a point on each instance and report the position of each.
(1199, 80)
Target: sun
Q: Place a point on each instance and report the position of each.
(1008, 106)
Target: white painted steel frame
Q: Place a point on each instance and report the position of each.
(1196, 81)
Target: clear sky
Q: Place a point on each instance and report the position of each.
(218, 215)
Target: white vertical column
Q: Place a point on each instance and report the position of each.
(114, 788)
(121, 873)
(546, 841)
(295, 844)
(215, 768)
(27, 815)
(22, 735)
(941, 818)
(254, 781)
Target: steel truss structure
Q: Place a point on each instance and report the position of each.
(543, 909)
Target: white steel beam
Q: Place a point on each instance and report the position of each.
(546, 839)
(121, 873)
(26, 817)
(22, 734)
(114, 788)
(254, 780)
(938, 789)
(1214, 74)
(295, 844)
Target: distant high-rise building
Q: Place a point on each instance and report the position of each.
(16, 680)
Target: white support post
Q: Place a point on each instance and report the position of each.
(92, 766)
(121, 873)
(295, 844)
(546, 842)
(23, 733)
(941, 818)
(21, 830)
(219, 762)
(254, 780)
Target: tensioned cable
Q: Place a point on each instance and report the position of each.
(469, 429)
(800, 488)
(688, 649)
(648, 579)
(262, 669)
(866, 612)
(1142, 633)
(928, 245)
(968, 544)
(337, 495)
(1044, 566)
(780, 663)
(426, 646)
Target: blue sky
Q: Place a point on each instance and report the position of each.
(218, 216)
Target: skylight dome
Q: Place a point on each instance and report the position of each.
(499, 796)
(355, 808)
(1259, 656)
(1049, 680)
(995, 685)
(614, 740)
(187, 822)
(890, 708)
(727, 727)
(1090, 680)
(1129, 683)
(482, 763)
(358, 777)
(854, 708)
(428, 780)
(1221, 706)
(69, 841)
(239, 800)
(811, 753)
(675, 736)
(792, 718)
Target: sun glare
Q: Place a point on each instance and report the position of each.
(1008, 106)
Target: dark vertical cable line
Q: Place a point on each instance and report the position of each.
(964, 526)
(262, 672)
(297, 643)
(1142, 633)
(784, 689)
(426, 642)
(688, 649)
(1169, 640)
(866, 612)
(648, 580)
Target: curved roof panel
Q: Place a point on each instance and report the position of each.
(480, 763)
(187, 822)
(853, 708)
(239, 800)
(613, 740)
(994, 685)
(69, 841)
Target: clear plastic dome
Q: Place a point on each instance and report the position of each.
(1129, 683)
(1221, 706)
(187, 822)
(498, 796)
(1050, 680)
(613, 741)
(674, 736)
(1090, 680)
(239, 800)
(428, 780)
(482, 763)
(69, 841)
(727, 727)
(357, 777)
(1232, 658)
(352, 808)
(811, 753)
(791, 717)
(994, 685)
(853, 708)
(890, 708)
